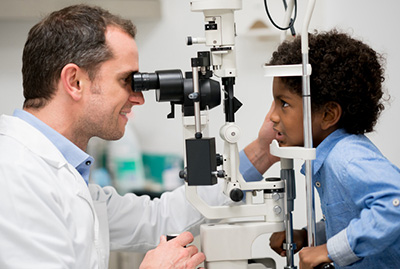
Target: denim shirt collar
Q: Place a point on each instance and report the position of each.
(324, 148)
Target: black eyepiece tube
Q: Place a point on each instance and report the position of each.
(145, 81)
(170, 86)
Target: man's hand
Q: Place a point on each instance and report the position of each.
(277, 239)
(258, 150)
(311, 257)
(173, 254)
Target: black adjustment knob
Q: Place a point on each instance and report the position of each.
(221, 173)
(325, 266)
(236, 195)
(272, 179)
(182, 174)
(220, 159)
(198, 135)
(171, 236)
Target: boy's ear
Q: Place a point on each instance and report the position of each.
(332, 112)
(71, 78)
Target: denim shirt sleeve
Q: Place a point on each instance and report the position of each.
(340, 251)
(374, 185)
(246, 168)
(360, 197)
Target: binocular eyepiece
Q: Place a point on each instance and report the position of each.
(171, 86)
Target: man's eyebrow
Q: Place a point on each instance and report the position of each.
(127, 73)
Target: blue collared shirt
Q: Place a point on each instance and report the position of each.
(360, 193)
(73, 154)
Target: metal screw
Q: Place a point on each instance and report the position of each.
(277, 209)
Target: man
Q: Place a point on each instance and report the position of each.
(77, 64)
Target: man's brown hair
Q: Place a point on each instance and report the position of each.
(75, 34)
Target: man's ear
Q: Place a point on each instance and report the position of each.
(332, 112)
(72, 78)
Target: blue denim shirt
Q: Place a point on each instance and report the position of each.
(360, 192)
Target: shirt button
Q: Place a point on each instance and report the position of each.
(88, 163)
(318, 184)
(396, 202)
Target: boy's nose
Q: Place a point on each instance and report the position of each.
(273, 116)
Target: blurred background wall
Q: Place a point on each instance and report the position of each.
(163, 26)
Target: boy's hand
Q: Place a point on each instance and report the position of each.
(311, 257)
(277, 239)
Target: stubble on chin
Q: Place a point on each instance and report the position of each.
(103, 129)
(112, 134)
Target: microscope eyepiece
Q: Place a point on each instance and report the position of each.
(144, 81)
(167, 83)
(172, 86)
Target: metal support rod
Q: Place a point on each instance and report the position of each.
(287, 174)
(197, 116)
(308, 141)
(229, 101)
(290, 247)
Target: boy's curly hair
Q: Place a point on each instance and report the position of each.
(345, 71)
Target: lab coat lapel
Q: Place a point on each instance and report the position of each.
(101, 234)
(104, 235)
(33, 139)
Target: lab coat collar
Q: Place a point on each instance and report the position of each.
(31, 138)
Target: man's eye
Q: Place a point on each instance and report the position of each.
(128, 79)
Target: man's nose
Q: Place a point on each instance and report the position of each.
(136, 98)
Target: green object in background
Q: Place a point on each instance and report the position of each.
(128, 174)
(155, 166)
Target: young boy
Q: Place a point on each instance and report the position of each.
(358, 187)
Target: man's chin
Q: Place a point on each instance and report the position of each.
(113, 136)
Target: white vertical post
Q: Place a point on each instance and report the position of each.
(308, 141)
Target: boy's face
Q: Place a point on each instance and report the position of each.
(287, 115)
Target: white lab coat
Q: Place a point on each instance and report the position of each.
(49, 218)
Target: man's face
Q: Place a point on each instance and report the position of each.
(287, 115)
(111, 98)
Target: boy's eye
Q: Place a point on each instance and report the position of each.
(284, 104)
